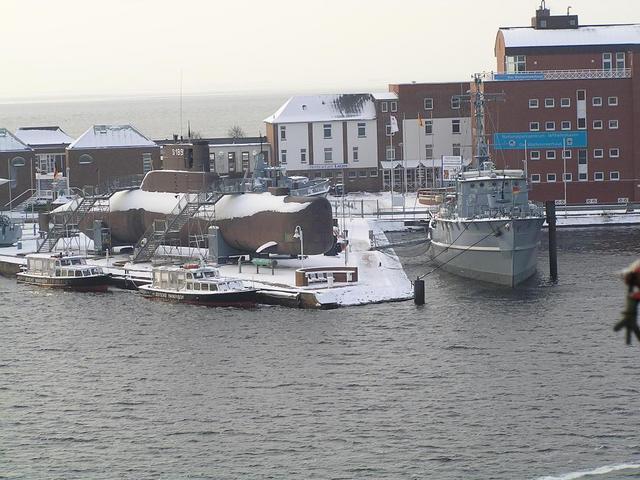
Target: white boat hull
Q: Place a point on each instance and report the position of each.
(501, 251)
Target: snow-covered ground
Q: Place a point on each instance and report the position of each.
(380, 276)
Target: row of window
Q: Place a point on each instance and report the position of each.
(456, 127)
(328, 155)
(389, 106)
(581, 124)
(456, 151)
(337, 174)
(455, 103)
(582, 177)
(327, 131)
(566, 102)
(551, 154)
(231, 161)
(518, 63)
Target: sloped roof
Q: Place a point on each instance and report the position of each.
(325, 108)
(37, 136)
(385, 95)
(111, 136)
(10, 143)
(587, 35)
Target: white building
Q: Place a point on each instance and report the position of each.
(332, 136)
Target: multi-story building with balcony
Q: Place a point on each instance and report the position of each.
(328, 136)
(571, 105)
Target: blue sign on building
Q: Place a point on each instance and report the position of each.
(532, 140)
(509, 77)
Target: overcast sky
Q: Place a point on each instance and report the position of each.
(127, 47)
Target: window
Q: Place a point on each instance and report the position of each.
(581, 95)
(456, 150)
(515, 63)
(598, 176)
(373, 173)
(582, 157)
(565, 102)
(566, 154)
(620, 61)
(455, 126)
(362, 130)
(455, 102)
(355, 154)
(428, 127)
(614, 152)
(566, 125)
(568, 177)
(394, 106)
(582, 177)
(534, 126)
(613, 124)
(534, 155)
(245, 161)
(582, 123)
(326, 128)
(596, 101)
(428, 103)
(428, 151)
(607, 63)
(362, 173)
(391, 153)
(387, 129)
(384, 107)
(283, 157)
(597, 124)
(615, 176)
(303, 155)
(551, 177)
(533, 103)
(551, 154)
(328, 155)
(549, 103)
(353, 173)
(598, 153)
(231, 159)
(147, 163)
(535, 178)
(612, 101)
(550, 125)
(283, 132)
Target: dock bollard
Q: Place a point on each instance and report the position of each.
(418, 291)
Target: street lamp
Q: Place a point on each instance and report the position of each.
(298, 234)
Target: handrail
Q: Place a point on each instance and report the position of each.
(562, 74)
(14, 200)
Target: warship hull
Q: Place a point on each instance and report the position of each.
(501, 251)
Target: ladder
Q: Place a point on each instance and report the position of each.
(69, 225)
(161, 232)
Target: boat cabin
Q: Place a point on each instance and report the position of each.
(58, 266)
(192, 278)
(490, 192)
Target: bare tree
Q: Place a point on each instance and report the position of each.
(235, 132)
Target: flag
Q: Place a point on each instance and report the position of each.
(420, 123)
(393, 124)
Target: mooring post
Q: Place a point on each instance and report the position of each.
(418, 291)
(240, 264)
(550, 209)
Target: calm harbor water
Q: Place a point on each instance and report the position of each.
(482, 382)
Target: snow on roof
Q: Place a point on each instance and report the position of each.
(43, 136)
(385, 96)
(10, 143)
(325, 108)
(111, 136)
(515, 37)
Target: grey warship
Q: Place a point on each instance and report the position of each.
(488, 230)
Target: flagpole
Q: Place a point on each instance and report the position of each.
(404, 155)
(393, 170)
(564, 173)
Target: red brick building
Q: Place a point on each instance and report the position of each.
(571, 108)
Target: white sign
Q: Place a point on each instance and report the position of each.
(451, 166)
(327, 166)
